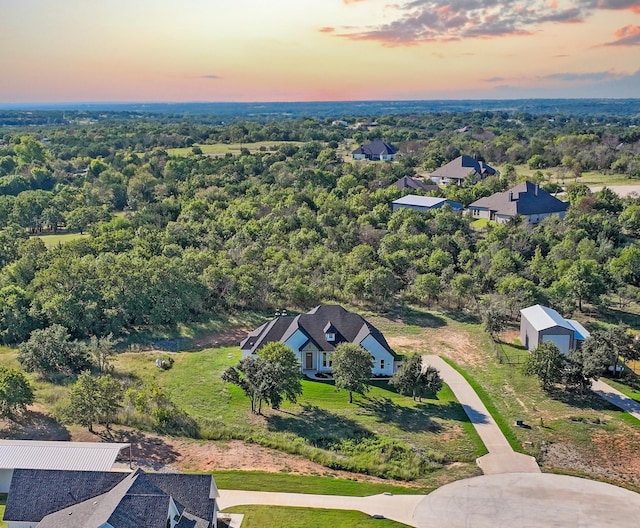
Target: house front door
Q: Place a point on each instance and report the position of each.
(308, 360)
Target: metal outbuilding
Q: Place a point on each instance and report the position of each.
(75, 456)
(540, 323)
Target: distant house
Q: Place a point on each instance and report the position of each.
(315, 334)
(378, 150)
(540, 324)
(458, 170)
(407, 182)
(34, 454)
(423, 203)
(101, 499)
(527, 200)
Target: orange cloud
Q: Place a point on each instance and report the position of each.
(626, 36)
(327, 29)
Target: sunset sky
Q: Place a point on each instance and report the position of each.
(304, 50)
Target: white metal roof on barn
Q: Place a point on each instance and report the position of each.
(581, 332)
(419, 201)
(78, 456)
(542, 317)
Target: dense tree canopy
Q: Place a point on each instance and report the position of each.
(175, 235)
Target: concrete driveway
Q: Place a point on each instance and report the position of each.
(501, 457)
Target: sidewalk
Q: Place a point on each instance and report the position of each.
(501, 458)
(616, 398)
(395, 507)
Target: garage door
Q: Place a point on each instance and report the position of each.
(561, 341)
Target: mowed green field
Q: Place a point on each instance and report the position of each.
(587, 177)
(314, 484)
(260, 516)
(322, 417)
(221, 149)
(52, 241)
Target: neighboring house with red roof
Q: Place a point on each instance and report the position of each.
(377, 150)
(314, 335)
(527, 200)
(458, 170)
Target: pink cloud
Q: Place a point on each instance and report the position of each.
(626, 36)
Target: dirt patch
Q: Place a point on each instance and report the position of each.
(455, 344)
(160, 453)
(230, 337)
(611, 456)
(35, 424)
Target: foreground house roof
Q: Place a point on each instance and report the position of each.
(315, 324)
(87, 499)
(463, 166)
(524, 199)
(80, 456)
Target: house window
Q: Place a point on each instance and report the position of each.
(331, 337)
(382, 364)
(324, 359)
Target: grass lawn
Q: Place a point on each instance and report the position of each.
(481, 223)
(286, 483)
(588, 177)
(322, 425)
(220, 149)
(3, 502)
(260, 516)
(52, 241)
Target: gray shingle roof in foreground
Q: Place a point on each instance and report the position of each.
(124, 500)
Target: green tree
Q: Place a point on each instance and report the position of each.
(94, 400)
(412, 379)
(101, 351)
(285, 367)
(351, 366)
(547, 363)
(585, 281)
(50, 351)
(15, 392)
(494, 315)
(15, 320)
(264, 380)
(29, 150)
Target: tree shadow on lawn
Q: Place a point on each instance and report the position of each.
(463, 317)
(34, 425)
(411, 316)
(588, 400)
(317, 426)
(147, 450)
(418, 419)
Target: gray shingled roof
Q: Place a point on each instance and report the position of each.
(463, 166)
(524, 199)
(375, 148)
(125, 500)
(350, 327)
(407, 182)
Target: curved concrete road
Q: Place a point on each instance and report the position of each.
(501, 457)
(528, 501)
(396, 507)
